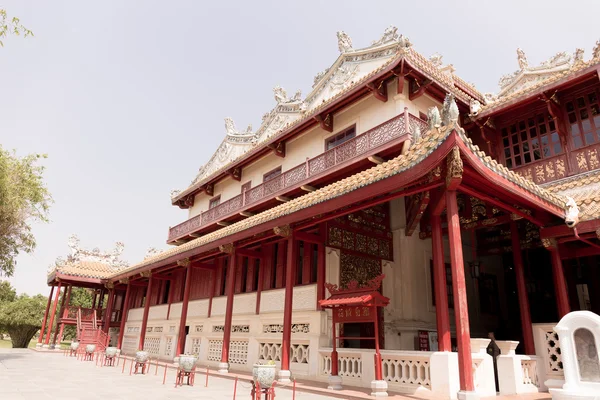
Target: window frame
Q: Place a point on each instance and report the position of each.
(343, 132)
(212, 200)
(272, 174)
(588, 107)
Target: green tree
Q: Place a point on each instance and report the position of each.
(23, 198)
(22, 318)
(11, 26)
(7, 292)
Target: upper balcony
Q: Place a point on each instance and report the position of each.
(385, 141)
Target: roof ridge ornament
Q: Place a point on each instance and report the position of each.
(450, 111)
(571, 213)
(522, 59)
(344, 42)
(389, 35)
(596, 51)
(434, 120)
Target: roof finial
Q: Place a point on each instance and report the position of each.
(280, 94)
(596, 50)
(344, 42)
(522, 59)
(434, 120)
(230, 127)
(449, 110)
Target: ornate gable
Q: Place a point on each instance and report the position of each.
(527, 76)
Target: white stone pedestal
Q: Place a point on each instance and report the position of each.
(485, 382)
(284, 376)
(334, 382)
(462, 395)
(45, 346)
(38, 345)
(223, 368)
(444, 374)
(379, 388)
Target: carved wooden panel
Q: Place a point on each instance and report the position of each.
(587, 159)
(545, 171)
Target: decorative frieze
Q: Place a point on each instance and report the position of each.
(183, 263)
(278, 328)
(226, 248)
(198, 328)
(158, 329)
(133, 329)
(234, 328)
(218, 328)
(168, 346)
(172, 328)
(215, 348)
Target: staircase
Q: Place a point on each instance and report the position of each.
(89, 333)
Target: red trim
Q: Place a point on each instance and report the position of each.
(560, 284)
(459, 288)
(233, 260)
(124, 313)
(563, 230)
(442, 313)
(522, 290)
(41, 338)
(259, 284)
(145, 315)
(290, 277)
(184, 309)
(51, 323)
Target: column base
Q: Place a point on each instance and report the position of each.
(334, 382)
(379, 388)
(565, 394)
(284, 376)
(464, 395)
(38, 345)
(223, 368)
(45, 346)
(176, 362)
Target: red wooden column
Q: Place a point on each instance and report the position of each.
(49, 332)
(60, 315)
(261, 278)
(95, 298)
(63, 313)
(522, 290)
(231, 274)
(320, 272)
(459, 289)
(184, 306)
(41, 338)
(146, 311)
(442, 313)
(109, 307)
(558, 276)
(290, 280)
(124, 311)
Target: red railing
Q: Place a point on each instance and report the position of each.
(353, 149)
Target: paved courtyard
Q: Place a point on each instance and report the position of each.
(26, 374)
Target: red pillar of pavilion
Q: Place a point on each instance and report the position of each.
(459, 289)
(41, 338)
(60, 315)
(231, 272)
(321, 272)
(290, 280)
(184, 306)
(146, 312)
(558, 276)
(63, 313)
(124, 311)
(522, 290)
(442, 313)
(109, 307)
(49, 331)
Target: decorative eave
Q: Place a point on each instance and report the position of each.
(550, 79)
(307, 118)
(397, 172)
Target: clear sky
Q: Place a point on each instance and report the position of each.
(127, 97)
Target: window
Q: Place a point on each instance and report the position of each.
(584, 118)
(448, 284)
(530, 139)
(340, 138)
(246, 186)
(215, 201)
(272, 174)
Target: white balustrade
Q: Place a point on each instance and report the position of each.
(406, 368)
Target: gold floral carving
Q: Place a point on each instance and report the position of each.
(109, 285)
(146, 274)
(359, 269)
(226, 248)
(455, 166)
(183, 263)
(283, 231)
(582, 162)
(593, 157)
(515, 217)
(549, 243)
(560, 168)
(124, 280)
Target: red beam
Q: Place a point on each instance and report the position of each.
(308, 237)
(379, 90)
(250, 253)
(564, 230)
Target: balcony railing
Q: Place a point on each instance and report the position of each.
(312, 168)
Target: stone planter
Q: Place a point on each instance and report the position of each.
(507, 347)
(187, 362)
(111, 352)
(90, 348)
(74, 346)
(141, 356)
(479, 345)
(264, 374)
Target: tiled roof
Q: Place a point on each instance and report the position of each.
(412, 56)
(87, 269)
(585, 190)
(523, 93)
(416, 154)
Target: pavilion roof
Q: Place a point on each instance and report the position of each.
(417, 153)
(584, 189)
(291, 113)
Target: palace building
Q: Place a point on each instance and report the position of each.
(375, 232)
